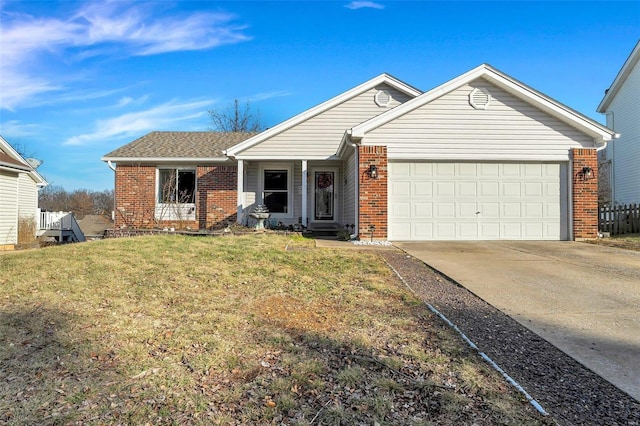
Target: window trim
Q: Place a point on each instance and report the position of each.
(290, 189)
(175, 211)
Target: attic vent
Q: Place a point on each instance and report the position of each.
(383, 98)
(480, 98)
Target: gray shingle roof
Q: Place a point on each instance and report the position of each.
(179, 145)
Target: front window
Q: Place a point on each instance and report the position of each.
(276, 190)
(176, 186)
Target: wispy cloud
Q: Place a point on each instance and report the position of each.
(364, 5)
(16, 129)
(128, 101)
(133, 124)
(98, 28)
(268, 95)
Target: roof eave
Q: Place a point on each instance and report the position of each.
(166, 159)
(622, 75)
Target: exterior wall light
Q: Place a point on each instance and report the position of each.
(373, 171)
(586, 173)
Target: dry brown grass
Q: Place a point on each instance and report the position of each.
(236, 330)
(628, 242)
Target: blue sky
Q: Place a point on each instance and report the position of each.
(79, 79)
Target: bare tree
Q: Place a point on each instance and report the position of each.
(235, 118)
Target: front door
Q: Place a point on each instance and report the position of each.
(324, 182)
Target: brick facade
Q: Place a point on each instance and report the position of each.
(585, 193)
(373, 192)
(135, 191)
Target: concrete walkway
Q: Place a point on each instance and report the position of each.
(582, 298)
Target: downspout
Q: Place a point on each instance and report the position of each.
(113, 212)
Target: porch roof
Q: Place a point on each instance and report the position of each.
(178, 146)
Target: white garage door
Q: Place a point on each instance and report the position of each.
(477, 201)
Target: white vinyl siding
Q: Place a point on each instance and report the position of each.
(449, 128)
(8, 208)
(349, 191)
(623, 116)
(27, 196)
(477, 201)
(320, 135)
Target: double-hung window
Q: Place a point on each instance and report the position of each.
(176, 194)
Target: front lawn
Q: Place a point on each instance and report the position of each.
(230, 330)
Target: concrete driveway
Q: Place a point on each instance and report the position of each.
(582, 298)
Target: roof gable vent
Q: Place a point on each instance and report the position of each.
(382, 98)
(480, 98)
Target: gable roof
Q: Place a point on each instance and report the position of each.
(509, 84)
(10, 159)
(318, 109)
(624, 72)
(178, 146)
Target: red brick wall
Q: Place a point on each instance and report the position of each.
(135, 189)
(373, 192)
(217, 196)
(135, 196)
(585, 194)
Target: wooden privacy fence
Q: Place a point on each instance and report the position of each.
(620, 219)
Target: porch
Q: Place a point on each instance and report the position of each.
(62, 226)
(317, 196)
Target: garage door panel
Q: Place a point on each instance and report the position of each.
(467, 189)
(422, 169)
(511, 189)
(400, 188)
(467, 210)
(445, 210)
(511, 210)
(489, 210)
(467, 169)
(401, 210)
(533, 210)
(399, 170)
(470, 201)
(422, 210)
(423, 231)
(489, 189)
(533, 189)
(490, 230)
(444, 170)
(423, 189)
(445, 189)
(467, 230)
(489, 170)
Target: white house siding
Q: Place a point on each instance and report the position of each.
(449, 128)
(27, 196)
(8, 208)
(349, 190)
(320, 135)
(623, 116)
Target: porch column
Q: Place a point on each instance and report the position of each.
(305, 175)
(240, 187)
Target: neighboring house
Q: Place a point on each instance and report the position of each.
(620, 174)
(19, 184)
(482, 156)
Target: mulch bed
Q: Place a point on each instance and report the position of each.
(570, 393)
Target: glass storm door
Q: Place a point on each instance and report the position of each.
(324, 182)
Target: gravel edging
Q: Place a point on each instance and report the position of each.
(572, 394)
